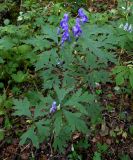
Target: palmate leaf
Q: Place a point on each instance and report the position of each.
(94, 48)
(61, 93)
(75, 122)
(89, 42)
(94, 113)
(77, 99)
(43, 129)
(66, 54)
(22, 107)
(97, 156)
(58, 123)
(38, 42)
(86, 105)
(49, 78)
(121, 73)
(50, 32)
(19, 77)
(31, 135)
(98, 76)
(60, 141)
(6, 43)
(59, 144)
(45, 58)
(68, 80)
(97, 29)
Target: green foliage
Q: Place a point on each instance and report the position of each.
(37, 71)
(22, 108)
(124, 157)
(30, 134)
(131, 129)
(102, 148)
(2, 134)
(124, 74)
(97, 156)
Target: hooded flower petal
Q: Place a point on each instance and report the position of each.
(82, 16)
(53, 107)
(77, 29)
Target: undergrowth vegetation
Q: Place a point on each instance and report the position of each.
(55, 71)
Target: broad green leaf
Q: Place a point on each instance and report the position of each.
(125, 157)
(66, 54)
(60, 141)
(50, 31)
(75, 122)
(39, 42)
(19, 77)
(6, 43)
(45, 58)
(94, 112)
(58, 123)
(61, 93)
(30, 134)
(119, 79)
(80, 101)
(119, 69)
(97, 156)
(74, 99)
(88, 98)
(43, 129)
(42, 60)
(40, 110)
(22, 107)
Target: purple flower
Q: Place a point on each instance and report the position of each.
(53, 107)
(66, 17)
(64, 22)
(77, 29)
(80, 12)
(65, 27)
(82, 16)
(65, 36)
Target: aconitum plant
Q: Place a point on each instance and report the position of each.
(76, 29)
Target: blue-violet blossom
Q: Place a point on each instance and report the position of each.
(77, 29)
(65, 27)
(82, 16)
(81, 20)
(53, 107)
